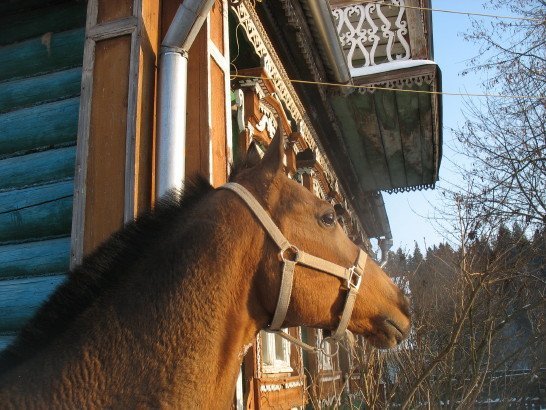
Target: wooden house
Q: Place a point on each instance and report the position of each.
(91, 134)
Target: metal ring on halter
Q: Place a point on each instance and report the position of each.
(292, 248)
(335, 342)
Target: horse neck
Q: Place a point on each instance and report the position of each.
(217, 315)
(208, 312)
(174, 334)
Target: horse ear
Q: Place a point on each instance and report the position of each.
(253, 156)
(273, 160)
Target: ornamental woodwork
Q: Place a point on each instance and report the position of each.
(372, 33)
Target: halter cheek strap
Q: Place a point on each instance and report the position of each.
(352, 277)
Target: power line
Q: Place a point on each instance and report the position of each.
(467, 13)
(374, 87)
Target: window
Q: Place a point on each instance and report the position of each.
(324, 360)
(275, 353)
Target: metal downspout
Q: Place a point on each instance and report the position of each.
(385, 245)
(172, 93)
(326, 35)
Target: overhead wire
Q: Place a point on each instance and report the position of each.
(375, 87)
(468, 13)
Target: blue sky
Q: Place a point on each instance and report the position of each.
(409, 213)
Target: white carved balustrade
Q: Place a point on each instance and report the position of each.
(372, 34)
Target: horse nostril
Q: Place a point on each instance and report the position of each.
(399, 334)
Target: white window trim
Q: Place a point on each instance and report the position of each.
(275, 353)
(325, 362)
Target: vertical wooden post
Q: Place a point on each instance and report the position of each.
(144, 55)
(208, 134)
(198, 107)
(116, 126)
(221, 141)
(416, 31)
(105, 177)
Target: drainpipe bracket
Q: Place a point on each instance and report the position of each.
(172, 49)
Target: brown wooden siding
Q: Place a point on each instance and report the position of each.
(217, 25)
(145, 110)
(109, 10)
(105, 184)
(197, 126)
(218, 132)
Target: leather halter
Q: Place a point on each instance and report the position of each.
(352, 277)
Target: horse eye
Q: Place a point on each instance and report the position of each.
(328, 219)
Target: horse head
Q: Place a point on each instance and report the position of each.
(381, 311)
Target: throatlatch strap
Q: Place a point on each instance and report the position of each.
(284, 295)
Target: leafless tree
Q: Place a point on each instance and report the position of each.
(506, 137)
(478, 324)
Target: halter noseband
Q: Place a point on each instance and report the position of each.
(352, 276)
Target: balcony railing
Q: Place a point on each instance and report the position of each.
(376, 33)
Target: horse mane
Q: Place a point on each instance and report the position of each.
(106, 267)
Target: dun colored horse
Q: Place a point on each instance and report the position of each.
(160, 314)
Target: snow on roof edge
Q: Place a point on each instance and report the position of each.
(390, 66)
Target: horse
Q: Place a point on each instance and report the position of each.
(161, 313)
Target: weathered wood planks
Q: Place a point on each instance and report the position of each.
(410, 136)
(364, 112)
(36, 212)
(35, 258)
(20, 298)
(33, 23)
(30, 91)
(389, 135)
(427, 135)
(50, 52)
(41, 52)
(385, 103)
(37, 168)
(41, 126)
(354, 140)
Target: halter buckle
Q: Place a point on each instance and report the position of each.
(355, 278)
(294, 250)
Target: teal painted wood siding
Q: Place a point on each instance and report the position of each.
(41, 52)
